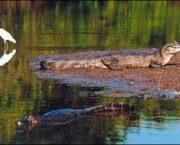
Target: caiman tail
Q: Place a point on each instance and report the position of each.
(116, 106)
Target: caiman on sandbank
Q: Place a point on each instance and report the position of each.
(64, 116)
(118, 59)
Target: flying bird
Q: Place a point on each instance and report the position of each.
(6, 36)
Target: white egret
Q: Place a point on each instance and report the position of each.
(6, 36)
(6, 57)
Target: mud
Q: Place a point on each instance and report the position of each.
(128, 82)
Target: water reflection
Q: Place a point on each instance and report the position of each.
(72, 133)
(5, 58)
(153, 131)
(132, 128)
(43, 27)
(111, 23)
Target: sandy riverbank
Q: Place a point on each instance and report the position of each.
(128, 81)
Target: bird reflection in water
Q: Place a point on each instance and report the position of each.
(5, 58)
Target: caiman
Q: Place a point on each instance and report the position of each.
(118, 59)
(64, 116)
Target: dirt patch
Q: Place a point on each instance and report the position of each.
(128, 81)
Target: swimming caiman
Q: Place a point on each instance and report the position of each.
(64, 116)
(118, 59)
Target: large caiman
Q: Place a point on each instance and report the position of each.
(118, 59)
(64, 116)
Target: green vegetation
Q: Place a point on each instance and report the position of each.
(42, 27)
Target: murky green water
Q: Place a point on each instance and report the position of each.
(42, 28)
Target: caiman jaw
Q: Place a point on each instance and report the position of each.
(173, 48)
(173, 51)
(27, 120)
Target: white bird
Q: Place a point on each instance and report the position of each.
(6, 57)
(6, 36)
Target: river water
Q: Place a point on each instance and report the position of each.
(48, 28)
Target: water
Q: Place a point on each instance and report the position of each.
(42, 28)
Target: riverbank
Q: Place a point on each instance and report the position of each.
(127, 82)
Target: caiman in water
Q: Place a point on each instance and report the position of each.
(64, 116)
(118, 59)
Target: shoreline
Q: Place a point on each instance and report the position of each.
(141, 80)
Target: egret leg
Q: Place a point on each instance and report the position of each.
(5, 44)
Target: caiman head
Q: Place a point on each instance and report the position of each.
(28, 120)
(168, 51)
